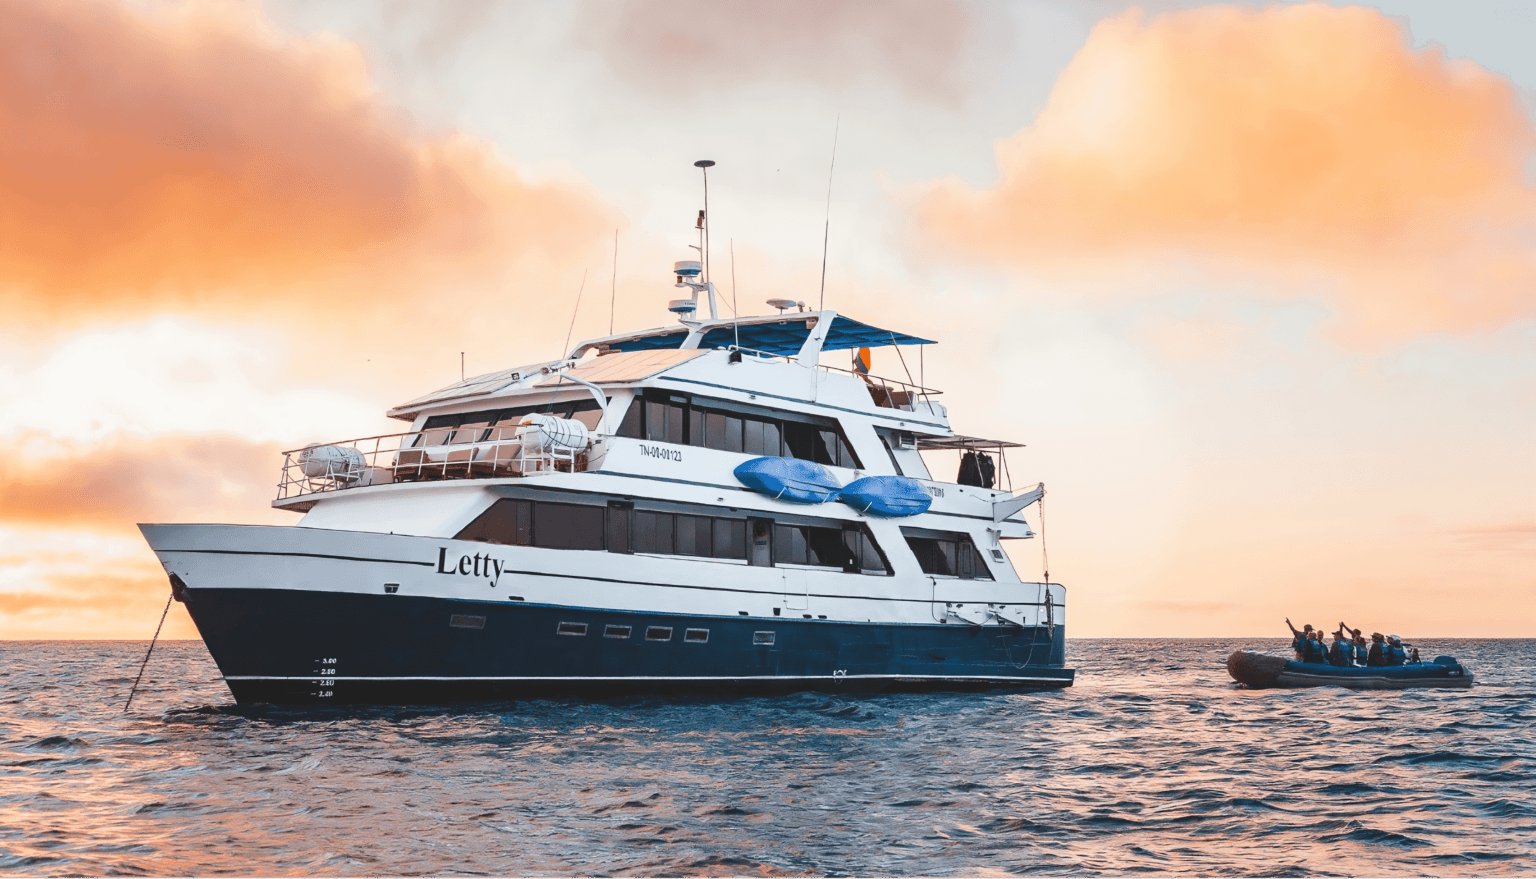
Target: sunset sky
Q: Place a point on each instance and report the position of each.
(1255, 283)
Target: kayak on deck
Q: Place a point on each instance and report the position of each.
(1260, 670)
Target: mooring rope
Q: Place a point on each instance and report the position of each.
(151, 649)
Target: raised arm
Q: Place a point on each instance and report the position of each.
(1291, 627)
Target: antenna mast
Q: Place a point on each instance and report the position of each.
(826, 230)
(694, 274)
(613, 289)
(704, 165)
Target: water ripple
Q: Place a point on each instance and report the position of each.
(1153, 764)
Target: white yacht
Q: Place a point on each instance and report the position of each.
(701, 506)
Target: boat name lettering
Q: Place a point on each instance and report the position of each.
(934, 490)
(664, 454)
(477, 565)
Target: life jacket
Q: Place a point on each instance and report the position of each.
(1362, 653)
(1396, 655)
(1339, 653)
(1299, 644)
(1316, 651)
(1377, 655)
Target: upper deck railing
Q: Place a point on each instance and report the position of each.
(417, 456)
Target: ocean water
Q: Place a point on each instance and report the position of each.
(1154, 763)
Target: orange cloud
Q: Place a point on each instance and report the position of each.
(110, 485)
(695, 45)
(172, 155)
(1308, 142)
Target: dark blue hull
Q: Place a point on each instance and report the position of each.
(292, 646)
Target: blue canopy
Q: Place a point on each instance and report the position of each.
(781, 337)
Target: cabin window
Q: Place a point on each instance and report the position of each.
(568, 526)
(949, 555)
(620, 516)
(612, 631)
(574, 629)
(697, 636)
(730, 539)
(848, 548)
(653, 532)
(763, 639)
(658, 633)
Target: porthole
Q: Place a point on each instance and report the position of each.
(697, 636)
(571, 629)
(658, 633)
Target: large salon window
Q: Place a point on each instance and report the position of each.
(539, 523)
(948, 554)
(666, 533)
(619, 527)
(697, 421)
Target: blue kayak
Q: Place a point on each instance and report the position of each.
(1259, 671)
(887, 496)
(789, 479)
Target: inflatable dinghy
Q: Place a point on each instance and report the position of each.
(1260, 670)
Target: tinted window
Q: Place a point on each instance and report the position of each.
(730, 539)
(506, 521)
(619, 517)
(634, 420)
(789, 545)
(694, 535)
(828, 549)
(653, 532)
(568, 526)
(930, 555)
(952, 555)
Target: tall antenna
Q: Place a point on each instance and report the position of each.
(704, 165)
(567, 349)
(735, 311)
(613, 290)
(826, 230)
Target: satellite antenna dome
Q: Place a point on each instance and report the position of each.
(687, 268)
(682, 307)
(781, 304)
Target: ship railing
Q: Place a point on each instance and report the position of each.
(418, 456)
(887, 393)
